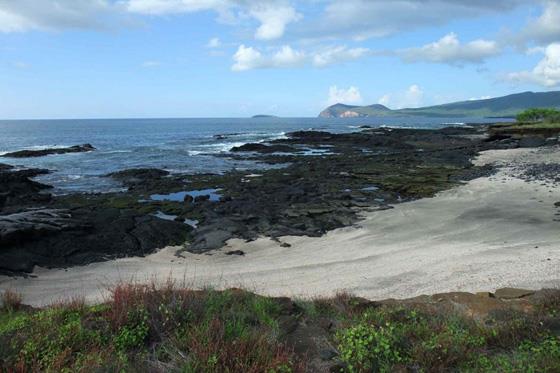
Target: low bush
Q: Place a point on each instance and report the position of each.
(162, 328)
(539, 115)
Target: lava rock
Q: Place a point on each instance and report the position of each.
(42, 152)
(202, 198)
(262, 148)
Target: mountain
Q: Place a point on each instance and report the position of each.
(507, 106)
(350, 111)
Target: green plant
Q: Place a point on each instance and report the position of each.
(266, 310)
(368, 347)
(134, 333)
(538, 115)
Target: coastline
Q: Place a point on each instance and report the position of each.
(492, 232)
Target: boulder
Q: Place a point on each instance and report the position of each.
(20, 227)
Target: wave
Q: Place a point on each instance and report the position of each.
(454, 124)
(117, 151)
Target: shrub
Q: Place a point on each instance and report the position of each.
(133, 335)
(538, 115)
(367, 347)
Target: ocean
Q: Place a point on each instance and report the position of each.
(177, 145)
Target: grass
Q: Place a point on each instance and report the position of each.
(521, 125)
(151, 328)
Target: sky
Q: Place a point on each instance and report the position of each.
(237, 58)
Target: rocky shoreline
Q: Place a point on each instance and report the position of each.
(325, 182)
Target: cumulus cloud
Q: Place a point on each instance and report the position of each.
(273, 15)
(480, 98)
(249, 58)
(545, 28)
(410, 98)
(27, 15)
(350, 96)
(337, 54)
(24, 15)
(362, 19)
(546, 73)
(451, 51)
(273, 19)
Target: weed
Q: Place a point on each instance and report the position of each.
(10, 300)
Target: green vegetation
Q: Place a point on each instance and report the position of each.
(546, 116)
(531, 122)
(149, 328)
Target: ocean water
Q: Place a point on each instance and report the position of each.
(177, 145)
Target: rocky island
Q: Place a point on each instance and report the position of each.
(49, 151)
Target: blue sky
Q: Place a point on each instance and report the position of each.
(236, 58)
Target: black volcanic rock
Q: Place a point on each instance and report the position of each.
(307, 195)
(37, 229)
(61, 238)
(16, 188)
(262, 148)
(42, 152)
(148, 179)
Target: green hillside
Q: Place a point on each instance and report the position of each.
(507, 106)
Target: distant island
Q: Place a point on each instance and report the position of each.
(499, 107)
(263, 116)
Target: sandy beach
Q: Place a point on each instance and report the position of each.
(489, 233)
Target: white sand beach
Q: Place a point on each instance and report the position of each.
(489, 233)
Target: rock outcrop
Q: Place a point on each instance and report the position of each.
(42, 152)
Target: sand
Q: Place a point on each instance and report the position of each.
(489, 233)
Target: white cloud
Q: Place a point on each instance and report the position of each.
(385, 100)
(362, 19)
(450, 50)
(337, 54)
(27, 15)
(249, 58)
(410, 98)
(547, 71)
(273, 15)
(288, 57)
(161, 7)
(546, 28)
(273, 19)
(214, 43)
(350, 96)
(151, 64)
(479, 98)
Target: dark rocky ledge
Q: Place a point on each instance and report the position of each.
(42, 152)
